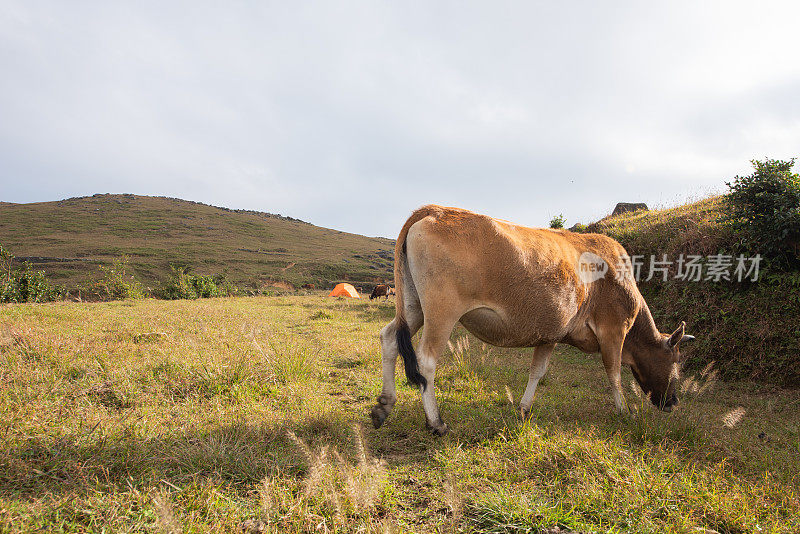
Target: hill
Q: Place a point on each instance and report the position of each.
(750, 329)
(70, 238)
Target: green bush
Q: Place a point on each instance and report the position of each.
(185, 285)
(205, 286)
(557, 222)
(180, 287)
(24, 284)
(33, 286)
(764, 212)
(6, 258)
(117, 284)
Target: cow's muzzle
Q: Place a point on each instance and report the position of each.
(666, 403)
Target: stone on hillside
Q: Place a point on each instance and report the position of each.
(624, 207)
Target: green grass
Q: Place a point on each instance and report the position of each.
(251, 249)
(252, 413)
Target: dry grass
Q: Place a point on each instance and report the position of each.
(692, 228)
(250, 415)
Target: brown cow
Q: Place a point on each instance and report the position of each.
(308, 286)
(514, 286)
(381, 290)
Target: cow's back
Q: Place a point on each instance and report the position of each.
(520, 285)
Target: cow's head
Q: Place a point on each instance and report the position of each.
(656, 366)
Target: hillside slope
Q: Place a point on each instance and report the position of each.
(69, 238)
(749, 329)
(688, 229)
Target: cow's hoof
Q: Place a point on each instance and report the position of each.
(378, 415)
(439, 429)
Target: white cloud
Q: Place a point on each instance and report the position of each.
(520, 110)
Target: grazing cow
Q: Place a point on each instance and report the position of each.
(308, 286)
(513, 286)
(381, 290)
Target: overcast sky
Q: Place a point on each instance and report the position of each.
(351, 114)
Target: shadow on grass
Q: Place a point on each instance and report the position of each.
(241, 454)
(238, 454)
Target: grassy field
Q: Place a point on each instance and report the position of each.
(251, 414)
(70, 238)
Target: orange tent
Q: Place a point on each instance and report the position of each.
(344, 290)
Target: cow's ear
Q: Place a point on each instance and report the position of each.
(677, 335)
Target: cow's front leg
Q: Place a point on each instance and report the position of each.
(539, 363)
(611, 350)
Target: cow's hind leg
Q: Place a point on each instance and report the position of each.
(539, 363)
(434, 340)
(389, 352)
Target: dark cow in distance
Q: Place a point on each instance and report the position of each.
(308, 286)
(381, 290)
(514, 286)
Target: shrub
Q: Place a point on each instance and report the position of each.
(557, 221)
(33, 286)
(116, 283)
(764, 211)
(6, 258)
(185, 285)
(180, 287)
(25, 284)
(224, 287)
(204, 286)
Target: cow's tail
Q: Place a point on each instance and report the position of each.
(404, 286)
(406, 349)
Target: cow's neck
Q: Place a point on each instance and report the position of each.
(644, 331)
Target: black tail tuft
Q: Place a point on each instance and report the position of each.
(406, 350)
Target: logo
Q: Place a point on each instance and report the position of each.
(591, 267)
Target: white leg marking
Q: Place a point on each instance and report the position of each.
(434, 339)
(427, 367)
(615, 377)
(539, 362)
(389, 355)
